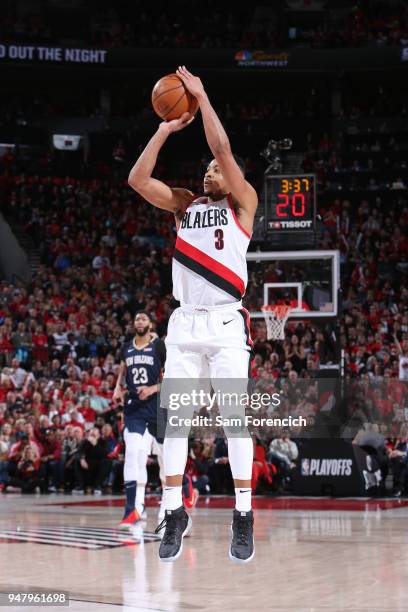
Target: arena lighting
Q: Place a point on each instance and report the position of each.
(67, 142)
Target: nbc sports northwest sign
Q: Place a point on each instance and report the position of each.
(278, 59)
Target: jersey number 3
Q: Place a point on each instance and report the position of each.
(139, 376)
(219, 239)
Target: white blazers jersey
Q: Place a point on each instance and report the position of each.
(209, 261)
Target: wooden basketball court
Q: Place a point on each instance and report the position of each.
(312, 555)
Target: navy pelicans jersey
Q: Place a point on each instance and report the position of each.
(209, 261)
(143, 367)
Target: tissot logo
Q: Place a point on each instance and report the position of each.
(281, 225)
(326, 467)
(295, 224)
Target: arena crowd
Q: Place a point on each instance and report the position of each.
(106, 254)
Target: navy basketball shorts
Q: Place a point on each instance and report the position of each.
(138, 418)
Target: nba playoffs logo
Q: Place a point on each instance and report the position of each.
(305, 467)
(326, 467)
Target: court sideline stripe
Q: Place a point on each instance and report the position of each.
(83, 537)
(39, 540)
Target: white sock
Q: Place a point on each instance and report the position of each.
(172, 498)
(140, 496)
(243, 499)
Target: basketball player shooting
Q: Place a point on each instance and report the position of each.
(210, 329)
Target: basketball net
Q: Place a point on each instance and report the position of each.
(275, 318)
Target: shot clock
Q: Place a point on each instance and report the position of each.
(290, 203)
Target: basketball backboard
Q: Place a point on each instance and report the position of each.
(307, 280)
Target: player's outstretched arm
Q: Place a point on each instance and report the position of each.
(140, 178)
(218, 141)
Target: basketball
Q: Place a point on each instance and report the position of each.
(171, 99)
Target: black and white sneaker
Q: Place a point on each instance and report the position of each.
(176, 525)
(242, 547)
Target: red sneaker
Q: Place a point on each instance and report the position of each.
(131, 519)
(194, 500)
(190, 495)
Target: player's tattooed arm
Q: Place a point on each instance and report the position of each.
(140, 178)
(243, 193)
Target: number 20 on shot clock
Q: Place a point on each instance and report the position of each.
(290, 203)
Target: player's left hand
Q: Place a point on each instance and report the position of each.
(144, 392)
(175, 125)
(192, 83)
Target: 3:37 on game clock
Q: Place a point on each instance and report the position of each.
(290, 203)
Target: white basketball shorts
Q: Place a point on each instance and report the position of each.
(208, 342)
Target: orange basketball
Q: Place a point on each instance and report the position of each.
(171, 99)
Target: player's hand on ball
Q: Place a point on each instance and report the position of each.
(191, 82)
(177, 124)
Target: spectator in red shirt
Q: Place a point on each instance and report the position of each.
(16, 450)
(87, 412)
(75, 419)
(40, 344)
(96, 378)
(6, 348)
(383, 405)
(32, 438)
(104, 390)
(51, 460)
(197, 467)
(28, 473)
(6, 385)
(261, 469)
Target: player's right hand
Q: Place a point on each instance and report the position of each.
(118, 396)
(176, 124)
